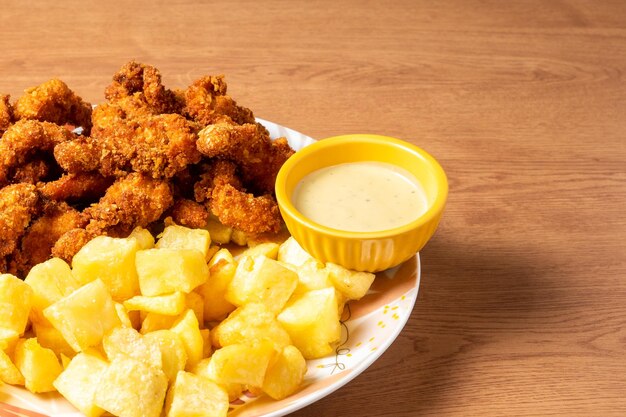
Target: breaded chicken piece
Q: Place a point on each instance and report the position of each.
(221, 190)
(189, 213)
(6, 113)
(160, 146)
(36, 246)
(26, 138)
(206, 102)
(144, 82)
(33, 171)
(54, 102)
(250, 147)
(18, 205)
(82, 187)
(135, 200)
(244, 211)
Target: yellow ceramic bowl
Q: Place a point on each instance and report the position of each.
(362, 251)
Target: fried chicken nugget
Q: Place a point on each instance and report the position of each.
(54, 102)
(160, 146)
(144, 82)
(24, 139)
(58, 218)
(250, 147)
(189, 213)
(206, 102)
(6, 113)
(18, 204)
(221, 190)
(81, 187)
(135, 200)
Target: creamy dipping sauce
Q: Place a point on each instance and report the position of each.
(360, 196)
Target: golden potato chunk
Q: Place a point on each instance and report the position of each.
(312, 321)
(285, 373)
(250, 324)
(241, 364)
(188, 329)
(50, 281)
(39, 365)
(84, 316)
(173, 352)
(8, 371)
(79, 380)
(130, 388)
(127, 342)
(261, 280)
(111, 260)
(195, 396)
(352, 284)
(179, 237)
(222, 267)
(164, 271)
(15, 303)
(169, 304)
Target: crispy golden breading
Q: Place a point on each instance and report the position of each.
(143, 82)
(132, 201)
(36, 246)
(6, 112)
(206, 102)
(26, 138)
(54, 102)
(160, 146)
(33, 171)
(250, 147)
(244, 211)
(145, 156)
(189, 213)
(84, 187)
(18, 204)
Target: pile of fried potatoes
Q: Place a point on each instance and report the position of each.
(179, 326)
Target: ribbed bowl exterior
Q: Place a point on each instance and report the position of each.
(363, 254)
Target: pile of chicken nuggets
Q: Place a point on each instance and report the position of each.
(70, 171)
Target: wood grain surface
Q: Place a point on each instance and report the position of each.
(522, 309)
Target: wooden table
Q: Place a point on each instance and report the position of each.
(522, 309)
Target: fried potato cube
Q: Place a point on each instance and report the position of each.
(155, 321)
(79, 380)
(285, 373)
(8, 371)
(50, 281)
(241, 364)
(180, 237)
(250, 323)
(220, 233)
(39, 365)
(84, 316)
(188, 329)
(144, 238)
(195, 396)
(111, 260)
(312, 275)
(130, 388)
(123, 315)
(194, 301)
(51, 338)
(169, 304)
(207, 348)
(239, 237)
(8, 339)
(269, 249)
(127, 342)
(312, 321)
(291, 252)
(15, 303)
(163, 271)
(263, 280)
(354, 285)
(222, 267)
(234, 391)
(173, 352)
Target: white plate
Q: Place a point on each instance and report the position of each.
(370, 325)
